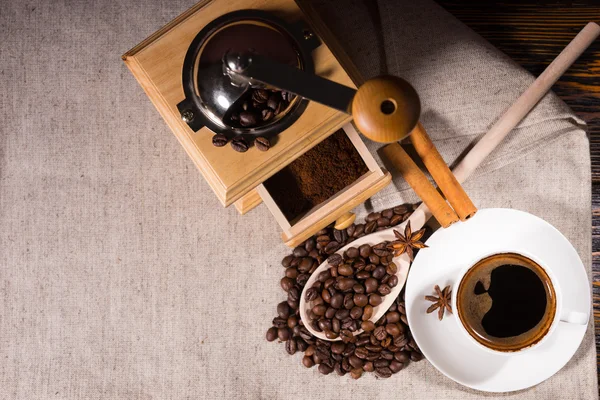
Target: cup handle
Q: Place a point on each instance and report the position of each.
(574, 317)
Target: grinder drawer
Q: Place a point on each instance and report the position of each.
(320, 186)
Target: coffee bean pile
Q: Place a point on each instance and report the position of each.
(343, 297)
(259, 106)
(256, 108)
(382, 351)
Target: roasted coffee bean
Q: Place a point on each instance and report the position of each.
(271, 334)
(360, 289)
(248, 118)
(371, 285)
(350, 230)
(403, 319)
(345, 270)
(381, 363)
(283, 310)
(239, 145)
(331, 334)
(367, 312)
(302, 279)
(305, 334)
(381, 252)
(384, 372)
(416, 356)
(356, 313)
(384, 289)
(286, 283)
(373, 258)
(279, 322)
(219, 140)
(363, 339)
(342, 314)
(395, 220)
(273, 101)
(392, 329)
(396, 366)
(372, 356)
(324, 324)
(391, 268)
(293, 294)
(338, 235)
(352, 252)
(362, 275)
(307, 361)
(367, 326)
(310, 350)
(283, 334)
(380, 333)
(379, 272)
(338, 369)
(355, 361)
(309, 245)
(290, 346)
(311, 294)
(373, 216)
(336, 326)
(375, 299)
(322, 241)
(334, 260)
(388, 355)
(319, 309)
(337, 300)
(337, 347)
(402, 356)
(364, 250)
(368, 366)
(356, 373)
(360, 300)
(324, 276)
(300, 251)
(260, 95)
(388, 213)
(392, 317)
(361, 353)
(330, 313)
(348, 301)
(291, 273)
(347, 336)
(383, 222)
(345, 284)
(370, 227)
(359, 231)
(325, 369)
(292, 321)
(262, 143)
(400, 340)
(332, 247)
(287, 261)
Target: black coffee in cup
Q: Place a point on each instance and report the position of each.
(506, 302)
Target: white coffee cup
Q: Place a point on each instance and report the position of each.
(560, 314)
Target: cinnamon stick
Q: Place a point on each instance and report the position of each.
(441, 174)
(420, 184)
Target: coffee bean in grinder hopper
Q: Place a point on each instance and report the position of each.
(242, 113)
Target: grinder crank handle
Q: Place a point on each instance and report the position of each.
(385, 109)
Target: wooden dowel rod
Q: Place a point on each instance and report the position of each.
(441, 174)
(421, 185)
(516, 113)
(525, 103)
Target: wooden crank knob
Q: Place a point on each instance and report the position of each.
(386, 109)
(344, 221)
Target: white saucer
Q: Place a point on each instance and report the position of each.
(450, 250)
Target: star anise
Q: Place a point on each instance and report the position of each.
(441, 302)
(407, 242)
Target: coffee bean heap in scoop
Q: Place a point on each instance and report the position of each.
(344, 297)
(380, 351)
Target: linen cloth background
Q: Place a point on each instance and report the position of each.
(122, 277)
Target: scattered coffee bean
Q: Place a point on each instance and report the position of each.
(262, 143)
(219, 140)
(239, 144)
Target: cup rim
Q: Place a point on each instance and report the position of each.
(553, 281)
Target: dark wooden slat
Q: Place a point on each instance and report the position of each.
(533, 33)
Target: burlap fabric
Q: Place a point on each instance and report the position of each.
(122, 277)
